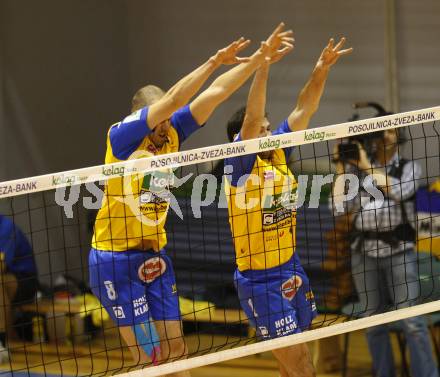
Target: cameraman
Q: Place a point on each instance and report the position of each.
(383, 260)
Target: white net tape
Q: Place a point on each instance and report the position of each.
(216, 152)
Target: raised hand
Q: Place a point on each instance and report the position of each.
(332, 53)
(277, 55)
(228, 55)
(278, 35)
(279, 44)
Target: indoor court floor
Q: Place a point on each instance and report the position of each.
(39, 360)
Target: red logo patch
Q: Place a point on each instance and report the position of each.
(290, 287)
(151, 269)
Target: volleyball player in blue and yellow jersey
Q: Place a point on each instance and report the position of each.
(272, 286)
(129, 269)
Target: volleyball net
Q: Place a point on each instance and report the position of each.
(62, 308)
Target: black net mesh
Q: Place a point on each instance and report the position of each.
(50, 310)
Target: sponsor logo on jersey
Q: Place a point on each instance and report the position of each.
(286, 325)
(158, 181)
(267, 218)
(139, 301)
(119, 312)
(284, 199)
(146, 197)
(263, 331)
(277, 217)
(140, 306)
(152, 269)
(271, 238)
(290, 287)
(274, 237)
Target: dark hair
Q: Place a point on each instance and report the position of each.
(235, 123)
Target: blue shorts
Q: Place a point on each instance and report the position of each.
(134, 285)
(277, 301)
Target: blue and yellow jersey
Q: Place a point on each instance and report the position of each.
(261, 198)
(15, 250)
(134, 208)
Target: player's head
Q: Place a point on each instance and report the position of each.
(236, 122)
(147, 96)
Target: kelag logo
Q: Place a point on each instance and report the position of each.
(268, 144)
(63, 179)
(108, 171)
(313, 135)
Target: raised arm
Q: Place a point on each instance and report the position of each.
(256, 103)
(226, 84)
(308, 100)
(180, 94)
